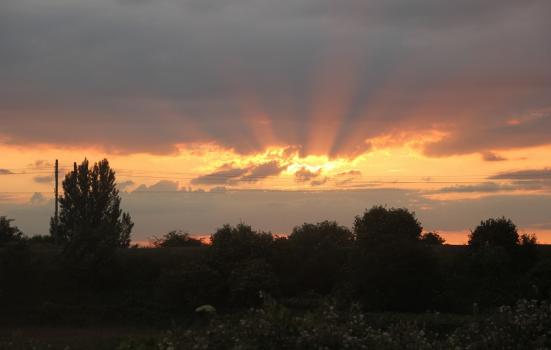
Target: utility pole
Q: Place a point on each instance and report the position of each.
(56, 193)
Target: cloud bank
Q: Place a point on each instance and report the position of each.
(150, 76)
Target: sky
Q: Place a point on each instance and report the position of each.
(277, 113)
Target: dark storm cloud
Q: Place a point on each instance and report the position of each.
(107, 73)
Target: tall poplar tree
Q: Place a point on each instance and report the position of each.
(91, 223)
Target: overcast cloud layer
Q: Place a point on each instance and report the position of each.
(144, 75)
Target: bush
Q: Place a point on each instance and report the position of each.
(316, 256)
(189, 286)
(500, 232)
(432, 238)
(230, 246)
(397, 278)
(249, 282)
(9, 233)
(380, 225)
(176, 239)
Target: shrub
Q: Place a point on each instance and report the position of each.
(380, 225)
(9, 233)
(176, 239)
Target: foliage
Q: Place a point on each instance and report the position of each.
(402, 277)
(315, 255)
(190, 285)
(526, 325)
(9, 233)
(231, 246)
(249, 282)
(500, 232)
(91, 224)
(380, 225)
(432, 238)
(176, 239)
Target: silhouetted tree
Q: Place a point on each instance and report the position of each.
(432, 238)
(9, 233)
(317, 254)
(380, 225)
(91, 224)
(244, 258)
(393, 269)
(498, 260)
(249, 281)
(176, 239)
(190, 285)
(231, 245)
(500, 232)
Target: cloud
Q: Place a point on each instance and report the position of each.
(46, 179)
(348, 173)
(319, 182)
(346, 178)
(41, 163)
(305, 175)
(218, 189)
(161, 186)
(263, 171)
(530, 174)
(492, 157)
(533, 132)
(37, 199)
(147, 76)
(487, 187)
(227, 174)
(5, 172)
(125, 185)
(530, 179)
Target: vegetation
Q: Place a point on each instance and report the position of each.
(175, 239)
(385, 284)
(91, 224)
(8, 233)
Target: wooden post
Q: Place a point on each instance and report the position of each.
(56, 192)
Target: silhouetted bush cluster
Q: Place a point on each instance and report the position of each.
(385, 263)
(525, 325)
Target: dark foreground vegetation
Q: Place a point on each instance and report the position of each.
(382, 285)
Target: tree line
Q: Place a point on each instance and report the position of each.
(385, 262)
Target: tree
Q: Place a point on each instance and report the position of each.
(231, 245)
(393, 269)
(432, 238)
(9, 233)
(380, 225)
(91, 224)
(176, 239)
(317, 254)
(500, 232)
